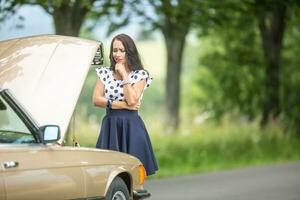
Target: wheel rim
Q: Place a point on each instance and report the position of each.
(119, 195)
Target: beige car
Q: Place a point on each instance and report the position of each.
(41, 79)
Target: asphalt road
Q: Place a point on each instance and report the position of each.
(276, 182)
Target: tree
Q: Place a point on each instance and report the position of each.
(69, 15)
(290, 74)
(232, 75)
(271, 18)
(174, 20)
(8, 9)
(250, 72)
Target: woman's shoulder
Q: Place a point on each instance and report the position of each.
(103, 70)
(141, 72)
(103, 73)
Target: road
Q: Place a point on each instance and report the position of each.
(276, 182)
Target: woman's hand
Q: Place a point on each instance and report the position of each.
(120, 68)
(123, 105)
(134, 107)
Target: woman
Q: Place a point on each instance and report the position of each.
(119, 89)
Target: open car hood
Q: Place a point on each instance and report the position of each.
(46, 74)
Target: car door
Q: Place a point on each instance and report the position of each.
(41, 172)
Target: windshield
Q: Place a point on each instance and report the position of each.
(12, 128)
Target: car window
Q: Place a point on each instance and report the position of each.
(12, 128)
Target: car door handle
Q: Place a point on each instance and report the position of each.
(10, 164)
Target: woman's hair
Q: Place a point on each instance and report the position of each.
(131, 53)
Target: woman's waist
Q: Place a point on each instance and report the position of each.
(121, 112)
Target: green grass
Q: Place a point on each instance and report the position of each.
(233, 145)
(210, 146)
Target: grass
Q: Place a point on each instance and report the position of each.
(212, 148)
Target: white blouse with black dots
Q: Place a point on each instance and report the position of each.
(114, 88)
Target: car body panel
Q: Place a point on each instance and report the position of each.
(47, 169)
(46, 74)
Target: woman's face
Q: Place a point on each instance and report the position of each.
(119, 52)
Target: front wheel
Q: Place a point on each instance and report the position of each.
(117, 190)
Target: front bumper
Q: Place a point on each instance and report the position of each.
(141, 194)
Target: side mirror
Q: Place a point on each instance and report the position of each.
(98, 58)
(50, 133)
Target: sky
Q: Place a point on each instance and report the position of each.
(36, 22)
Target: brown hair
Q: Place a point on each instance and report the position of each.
(131, 53)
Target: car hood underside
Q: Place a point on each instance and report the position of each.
(46, 74)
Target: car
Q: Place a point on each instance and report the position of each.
(41, 78)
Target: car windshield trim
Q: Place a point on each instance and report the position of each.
(13, 131)
(21, 112)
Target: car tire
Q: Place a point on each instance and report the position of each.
(117, 190)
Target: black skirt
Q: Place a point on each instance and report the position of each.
(123, 130)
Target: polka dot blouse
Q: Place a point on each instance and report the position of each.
(114, 88)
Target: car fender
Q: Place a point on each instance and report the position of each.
(118, 171)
